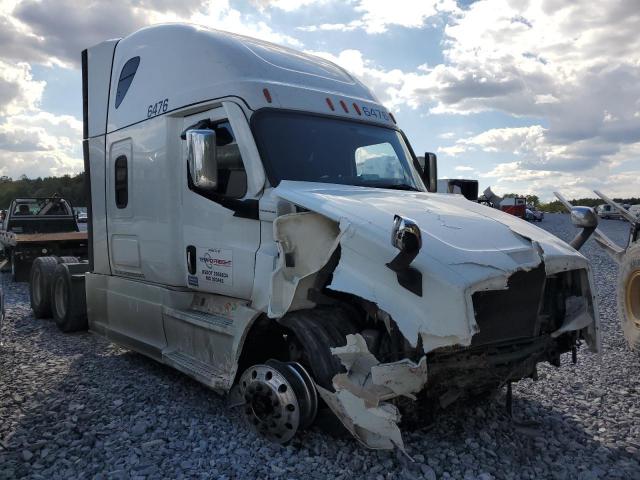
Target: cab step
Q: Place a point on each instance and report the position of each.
(208, 321)
(196, 369)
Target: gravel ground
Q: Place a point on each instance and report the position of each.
(76, 406)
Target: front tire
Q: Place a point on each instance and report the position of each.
(629, 295)
(318, 330)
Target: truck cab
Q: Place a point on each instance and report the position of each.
(259, 221)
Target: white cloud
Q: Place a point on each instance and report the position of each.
(289, 5)
(452, 150)
(513, 177)
(18, 90)
(376, 16)
(540, 167)
(573, 65)
(56, 32)
(447, 135)
(40, 144)
(535, 149)
(332, 27)
(464, 168)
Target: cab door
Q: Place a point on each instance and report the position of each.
(221, 231)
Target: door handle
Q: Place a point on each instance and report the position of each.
(191, 259)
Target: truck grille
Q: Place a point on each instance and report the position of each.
(509, 314)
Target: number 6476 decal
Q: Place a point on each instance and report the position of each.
(158, 108)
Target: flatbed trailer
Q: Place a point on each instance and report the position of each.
(48, 227)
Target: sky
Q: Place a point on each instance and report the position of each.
(525, 96)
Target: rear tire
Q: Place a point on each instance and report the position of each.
(40, 285)
(42, 270)
(629, 295)
(68, 304)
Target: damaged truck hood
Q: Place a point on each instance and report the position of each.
(466, 247)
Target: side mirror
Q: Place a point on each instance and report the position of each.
(202, 159)
(430, 172)
(586, 219)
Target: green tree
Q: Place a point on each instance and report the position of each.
(70, 187)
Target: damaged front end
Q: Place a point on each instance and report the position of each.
(536, 319)
(463, 300)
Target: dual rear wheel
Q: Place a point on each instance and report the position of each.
(54, 294)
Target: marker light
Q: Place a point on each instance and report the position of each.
(330, 103)
(357, 109)
(344, 106)
(267, 95)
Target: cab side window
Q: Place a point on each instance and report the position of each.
(232, 177)
(121, 183)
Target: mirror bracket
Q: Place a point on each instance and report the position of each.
(430, 172)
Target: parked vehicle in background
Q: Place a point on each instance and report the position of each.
(529, 216)
(608, 212)
(40, 226)
(533, 214)
(260, 228)
(515, 206)
(82, 217)
(635, 210)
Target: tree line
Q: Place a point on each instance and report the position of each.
(73, 189)
(555, 206)
(70, 187)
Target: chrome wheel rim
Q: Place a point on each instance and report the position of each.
(271, 406)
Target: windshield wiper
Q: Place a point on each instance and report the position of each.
(398, 186)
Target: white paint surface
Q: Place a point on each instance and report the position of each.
(466, 248)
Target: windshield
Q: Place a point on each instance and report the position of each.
(45, 206)
(297, 146)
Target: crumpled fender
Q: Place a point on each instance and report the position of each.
(361, 397)
(467, 248)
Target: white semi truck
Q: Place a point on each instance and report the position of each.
(259, 222)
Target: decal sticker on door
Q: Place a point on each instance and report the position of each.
(215, 266)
